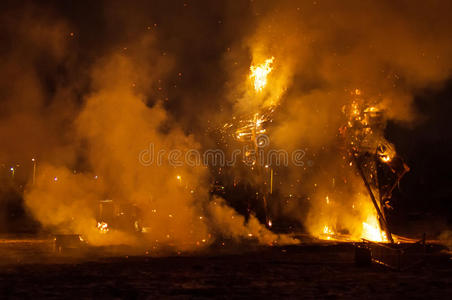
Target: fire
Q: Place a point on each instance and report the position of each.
(328, 232)
(386, 152)
(259, 74)
(103, 227)
(385, 158)
(372, 232)
(252, 127)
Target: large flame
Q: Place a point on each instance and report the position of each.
(371, 230)
(354, 223)
(259, 74)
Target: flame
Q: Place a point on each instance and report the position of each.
(103, 227)
(259, 74)
(386, 152)
(385, 158)
(371, 230)
(328, 232)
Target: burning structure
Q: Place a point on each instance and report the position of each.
(361, 144)
(249, 130)
(122, 123)
(374, 158)
(161, 143)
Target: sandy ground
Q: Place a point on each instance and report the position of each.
(28, 269)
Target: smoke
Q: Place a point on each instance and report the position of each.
(446, 238)
(114, 125)
(121, 116)
(34, 46)
(232, 225)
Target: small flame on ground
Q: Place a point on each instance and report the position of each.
(103, 227)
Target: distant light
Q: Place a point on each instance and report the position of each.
(33, 159)
(55, 179)
(12, 169)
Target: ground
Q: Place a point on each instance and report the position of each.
(29, 270)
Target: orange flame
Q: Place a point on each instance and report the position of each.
(103, 227)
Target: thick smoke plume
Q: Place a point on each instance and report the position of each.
(118, 119)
